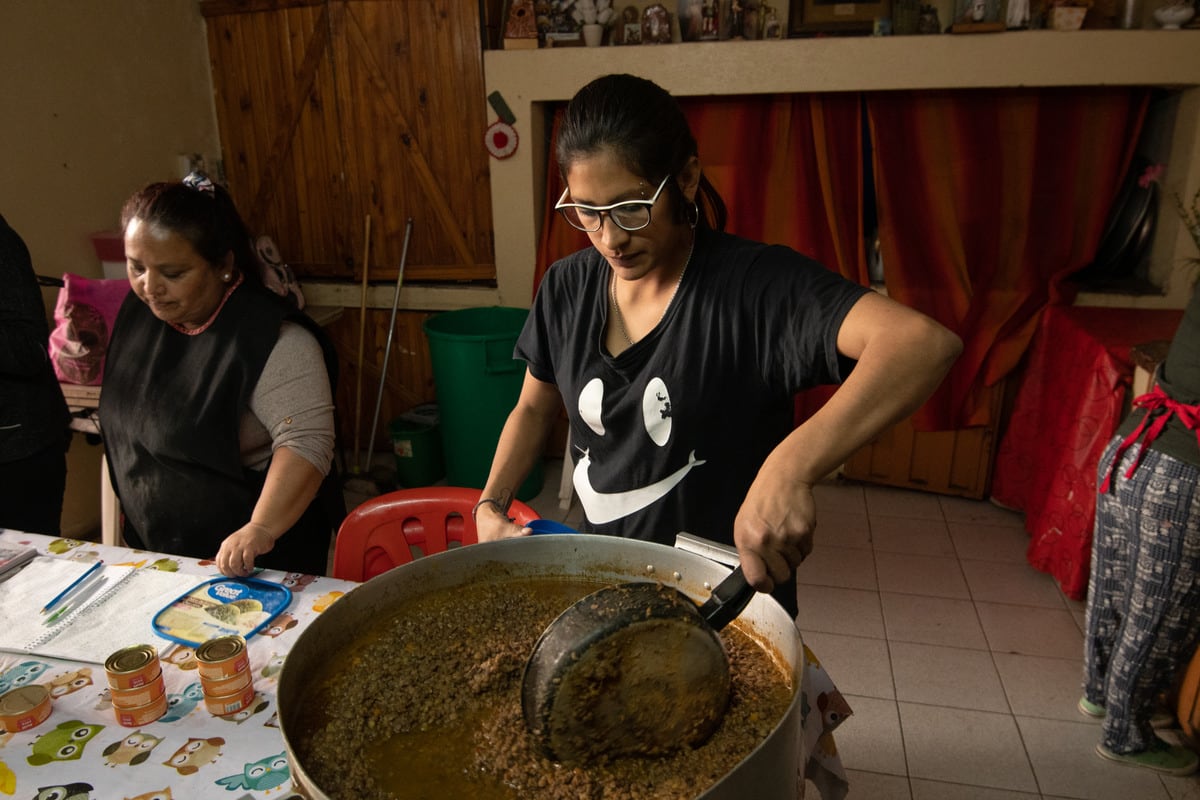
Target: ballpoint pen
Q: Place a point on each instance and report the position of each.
(76, 601)
(75, 584)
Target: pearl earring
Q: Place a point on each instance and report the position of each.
(227, 277)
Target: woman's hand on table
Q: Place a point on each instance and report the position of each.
(240, 548)
(773, 530)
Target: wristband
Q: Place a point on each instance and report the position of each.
(483, 502)
(501, 503)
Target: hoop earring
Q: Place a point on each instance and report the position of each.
(694, 218)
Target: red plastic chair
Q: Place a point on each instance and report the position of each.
(398, 527)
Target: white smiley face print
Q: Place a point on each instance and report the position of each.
(656, 414)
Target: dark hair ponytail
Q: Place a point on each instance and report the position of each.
(201, 212)
(643, 125)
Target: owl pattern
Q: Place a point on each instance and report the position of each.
(179, 705)
(21, 674)
(69, 791)
(69, 682)
(195, 754)
(181, 656)
(261, 775)
(161, 794)
(64, 743)
(132, 750)
(284, 622)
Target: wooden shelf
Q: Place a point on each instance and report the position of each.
(863, 63)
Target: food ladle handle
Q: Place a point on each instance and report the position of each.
(727, 600)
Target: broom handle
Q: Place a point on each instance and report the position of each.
(387, 350)
(362, 332)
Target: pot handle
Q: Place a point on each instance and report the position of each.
(727, 600)
(732, 594)
(713, 551)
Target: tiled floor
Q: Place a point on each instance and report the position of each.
(961, 662)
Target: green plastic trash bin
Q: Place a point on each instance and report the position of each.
(417, 444)
(477, 382)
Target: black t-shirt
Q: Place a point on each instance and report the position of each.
(669, 435)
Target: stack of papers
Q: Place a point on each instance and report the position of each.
(13, 556)
(119, 615)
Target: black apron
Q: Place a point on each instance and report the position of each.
(170, 410)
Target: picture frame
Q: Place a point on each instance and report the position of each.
(979, 16)
(808, 17)
(629, 28)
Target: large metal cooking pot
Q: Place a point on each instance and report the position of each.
(772, 770)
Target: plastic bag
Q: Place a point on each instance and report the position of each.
(83, 323)
(276, 275)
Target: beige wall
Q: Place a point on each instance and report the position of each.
(96, 99)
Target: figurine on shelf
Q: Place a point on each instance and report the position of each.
(593, 17)
(709, 27)
(656, 25)
(1174, 14)
(928, 21)
(772, 26)
(592, 12)
(737, 20)
(1017, 14)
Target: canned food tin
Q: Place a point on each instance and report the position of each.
(217, 687)
(133, 666)
(220, 705)
(222, 657)
(138, 695)
(142, 715)
(25, 707)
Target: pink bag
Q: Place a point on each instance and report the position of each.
(83, 322)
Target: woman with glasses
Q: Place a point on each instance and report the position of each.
(677, 349)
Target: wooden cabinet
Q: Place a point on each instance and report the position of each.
(332, 110)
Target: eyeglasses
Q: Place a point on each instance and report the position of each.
(628, 215)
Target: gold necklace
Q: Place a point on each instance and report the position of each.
(612, 292)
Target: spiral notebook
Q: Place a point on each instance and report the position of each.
(119, 614)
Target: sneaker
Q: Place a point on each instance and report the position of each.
(1170, 759)
(1162, 719)
(1090, 709)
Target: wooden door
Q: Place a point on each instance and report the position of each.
(330, 110)
(944, 462)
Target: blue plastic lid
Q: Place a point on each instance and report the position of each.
(222, 607)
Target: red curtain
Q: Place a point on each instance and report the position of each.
(789, 168)
(987, 201)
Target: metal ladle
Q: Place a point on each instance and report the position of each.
(631, 669)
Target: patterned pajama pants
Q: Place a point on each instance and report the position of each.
(1143, 607)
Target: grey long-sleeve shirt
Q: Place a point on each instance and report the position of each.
(291, 405)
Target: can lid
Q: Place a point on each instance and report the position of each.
(23, 699)
(220, 649)
(130, 659)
